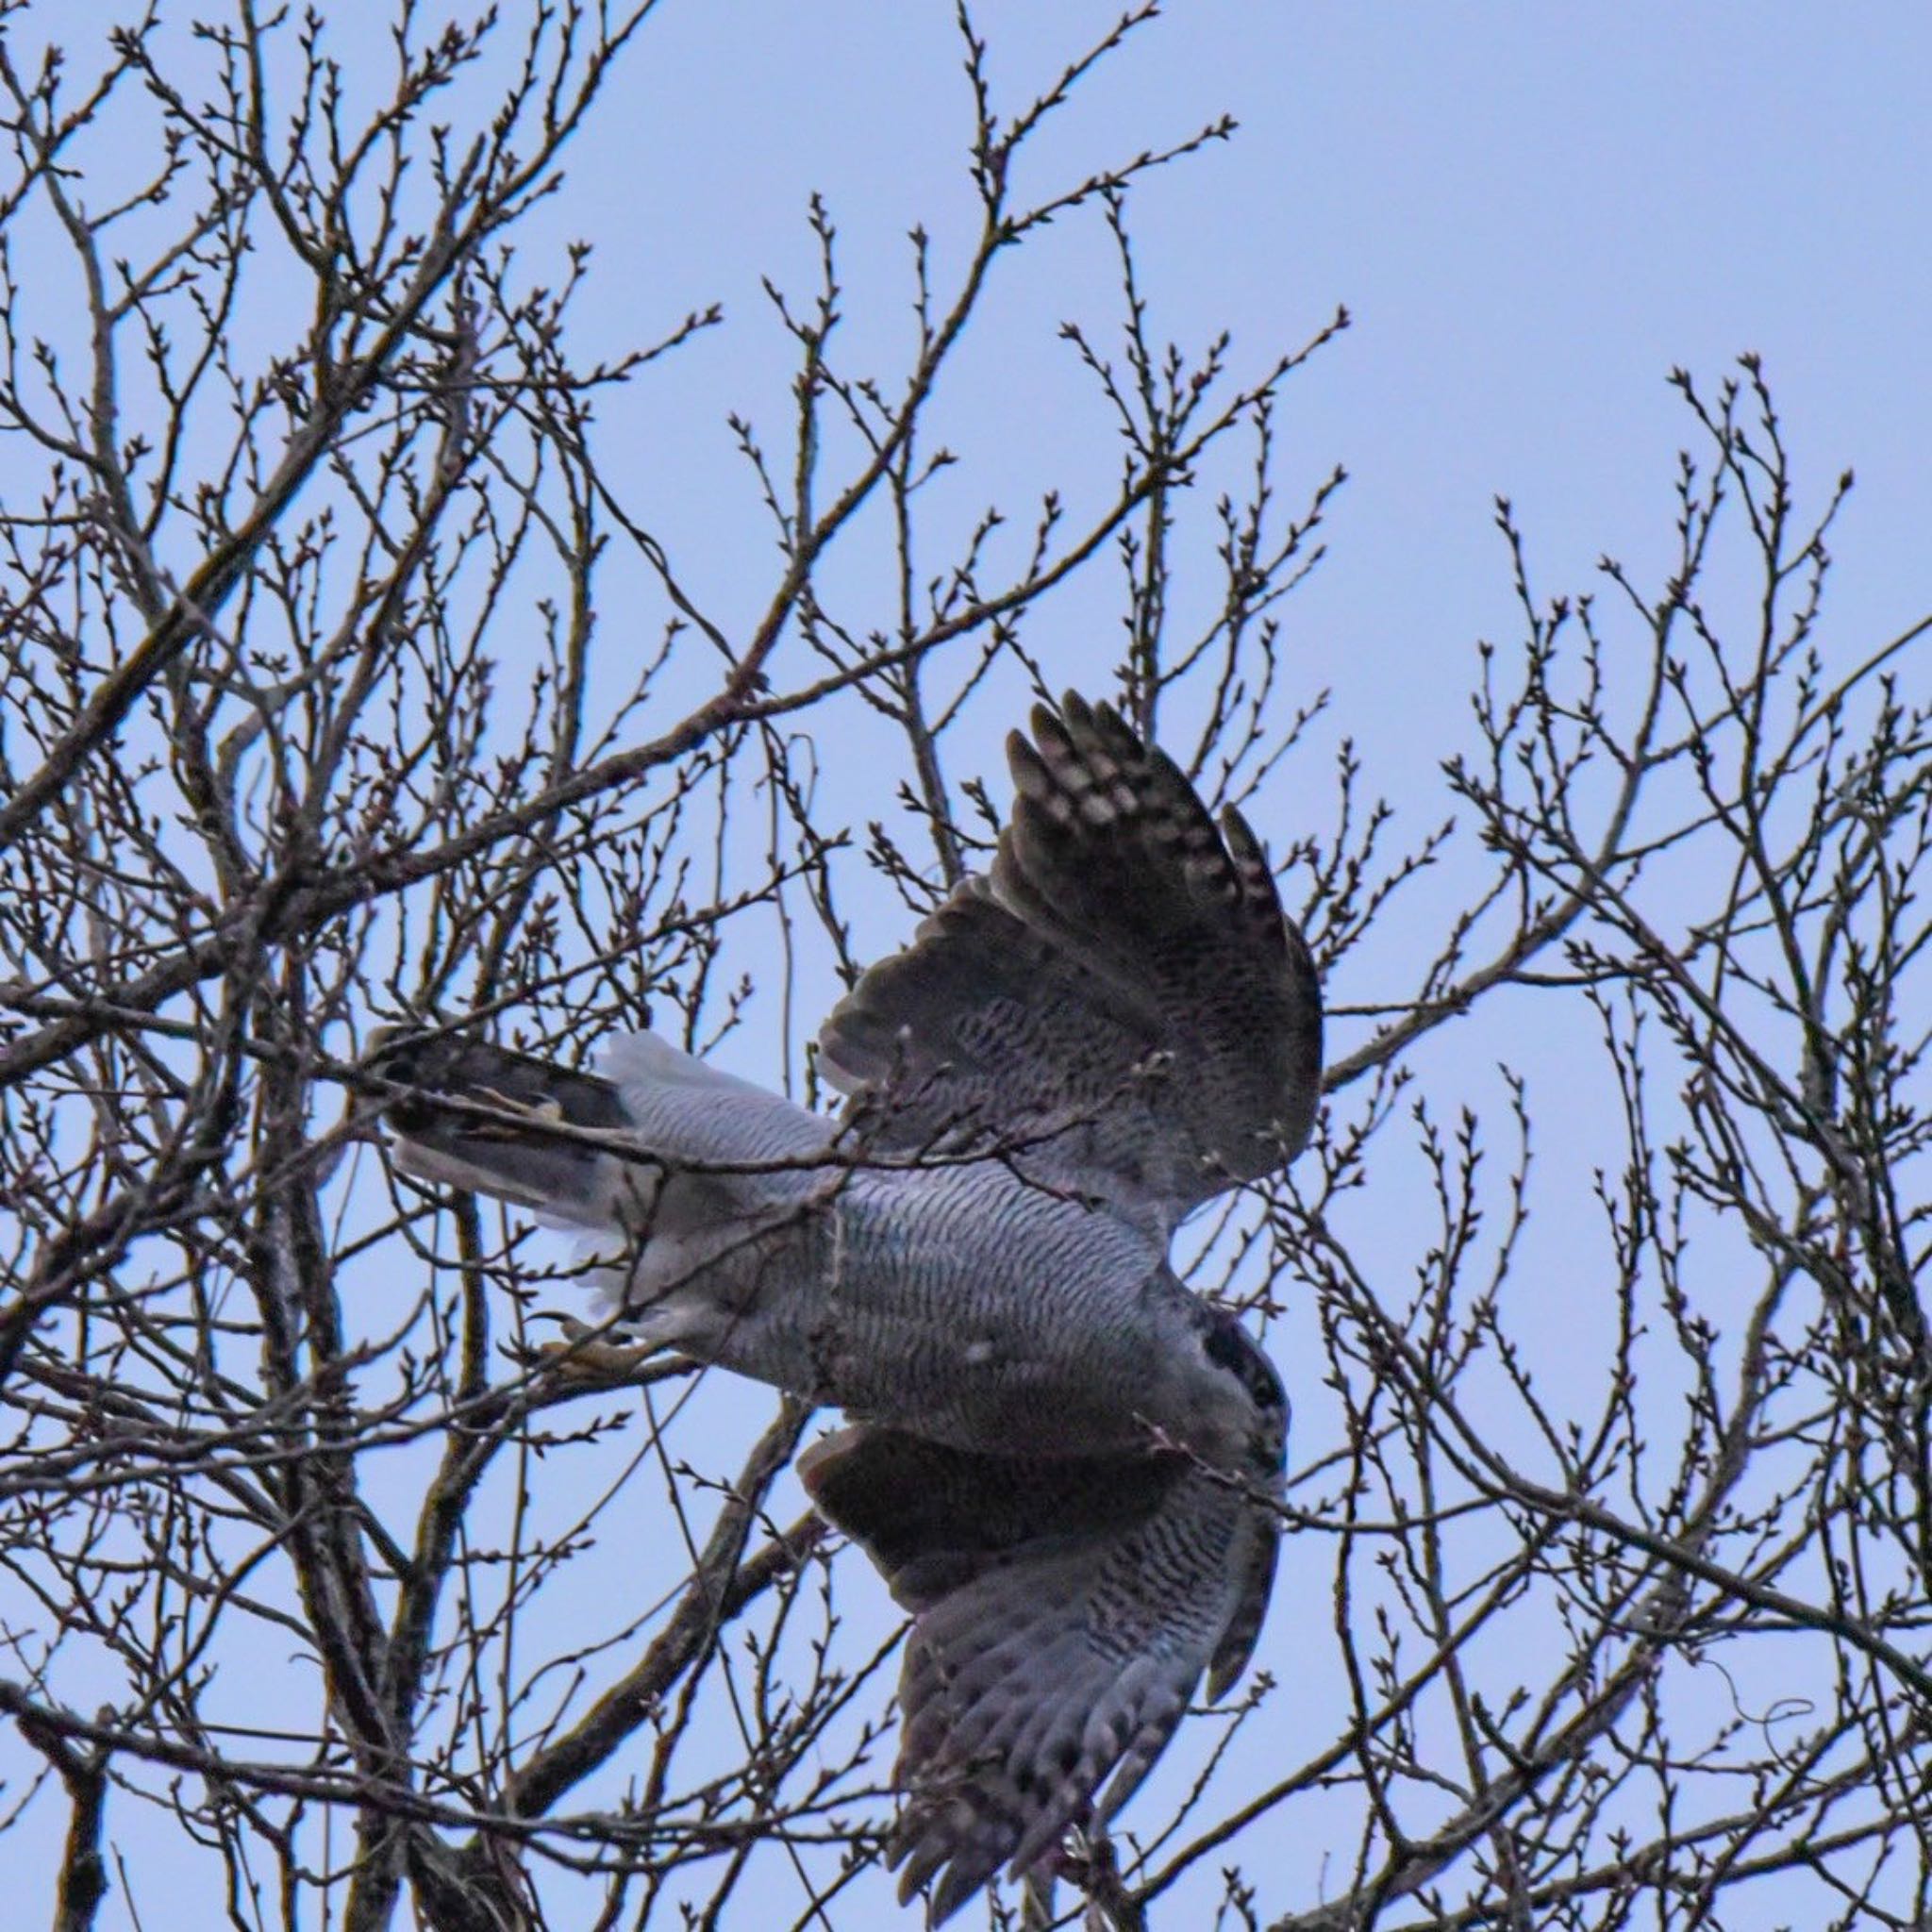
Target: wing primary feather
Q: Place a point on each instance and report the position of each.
(1063, 1612)
(1121, 999)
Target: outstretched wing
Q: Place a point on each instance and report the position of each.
(1122, 1006)
(1063, 1612)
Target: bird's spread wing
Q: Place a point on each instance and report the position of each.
(1063, 1612)
(1120, 1006)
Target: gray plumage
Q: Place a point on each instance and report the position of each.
(1059, 1458)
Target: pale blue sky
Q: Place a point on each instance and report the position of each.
(1531, 212)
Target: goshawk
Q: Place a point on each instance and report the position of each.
(1061, 1460)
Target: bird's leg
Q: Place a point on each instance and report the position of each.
(586, 1358)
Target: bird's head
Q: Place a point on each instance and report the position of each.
(1247, 1401)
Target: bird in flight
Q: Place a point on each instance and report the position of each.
(1061, 1460)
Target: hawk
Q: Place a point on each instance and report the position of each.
(1061, 1460)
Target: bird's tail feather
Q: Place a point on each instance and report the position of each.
(499, 1123)
(656, 1134)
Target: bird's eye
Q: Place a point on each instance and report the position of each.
(1223, 1348)
(1229, 1346)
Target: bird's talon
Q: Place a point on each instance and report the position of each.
(583, 1357)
